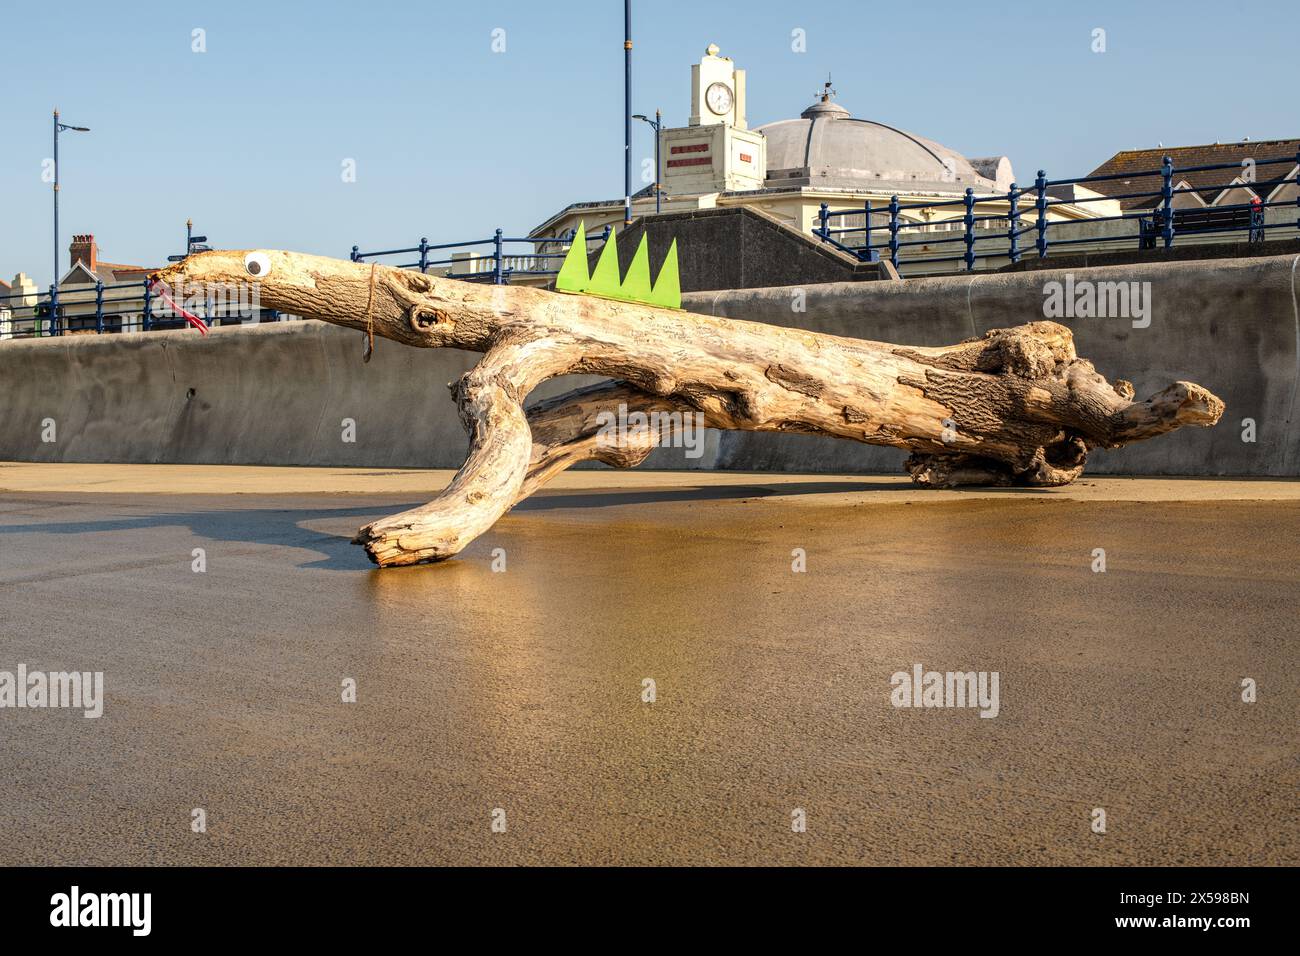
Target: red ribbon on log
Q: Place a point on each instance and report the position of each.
(160, 290)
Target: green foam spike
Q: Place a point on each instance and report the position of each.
(636, 284)
(667, 292)
(573, 276)
(604, 279)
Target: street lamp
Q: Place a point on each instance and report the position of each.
(627, 110)
(656, 124)
(54, 287)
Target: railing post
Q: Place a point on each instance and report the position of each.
(893, 231)
(424, 253)
(51, 325)
(99, 306)
(1040, 203)
(497, 277)
(969, 221)
(1013, 220)
(1167, 194)
(1297, 193)
(866, 229)
(355, 255)
(823, 218)
(146, 315)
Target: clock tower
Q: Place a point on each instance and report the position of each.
(717, 152)
(717, 91)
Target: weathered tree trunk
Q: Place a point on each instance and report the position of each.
(1013, 406)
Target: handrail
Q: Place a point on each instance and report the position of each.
(500, 270)
(1157, 222)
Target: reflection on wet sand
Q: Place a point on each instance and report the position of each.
(521, 689)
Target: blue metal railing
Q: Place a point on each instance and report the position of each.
(29, 315)
(1158, 222)
(497, 267)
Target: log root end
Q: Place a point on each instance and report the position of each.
(1050, 467)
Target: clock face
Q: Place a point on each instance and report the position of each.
(718, 98)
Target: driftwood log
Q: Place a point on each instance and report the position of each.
(1014, 406)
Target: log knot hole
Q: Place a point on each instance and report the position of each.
(424, 317)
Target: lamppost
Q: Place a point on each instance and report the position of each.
(627, 112)
(54, 286)
(656, 124)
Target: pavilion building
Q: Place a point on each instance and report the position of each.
(789, 168)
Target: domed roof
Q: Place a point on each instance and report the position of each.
(827, 146)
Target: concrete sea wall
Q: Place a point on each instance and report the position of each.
(285, 393)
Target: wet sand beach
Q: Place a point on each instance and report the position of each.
(481, 690)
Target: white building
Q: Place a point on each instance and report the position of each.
(18, 309)
(789, 168)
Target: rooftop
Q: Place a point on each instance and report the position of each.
(828, 146)
(1144, 160)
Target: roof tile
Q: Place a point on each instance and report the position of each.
(1140, 161)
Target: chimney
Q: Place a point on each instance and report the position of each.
(83, 249)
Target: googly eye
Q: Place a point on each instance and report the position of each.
(257, 264)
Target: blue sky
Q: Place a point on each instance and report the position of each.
(452, 140)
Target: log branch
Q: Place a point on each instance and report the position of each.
(569, 429)
(490, 400)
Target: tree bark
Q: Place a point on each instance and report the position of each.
(1014, 406)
